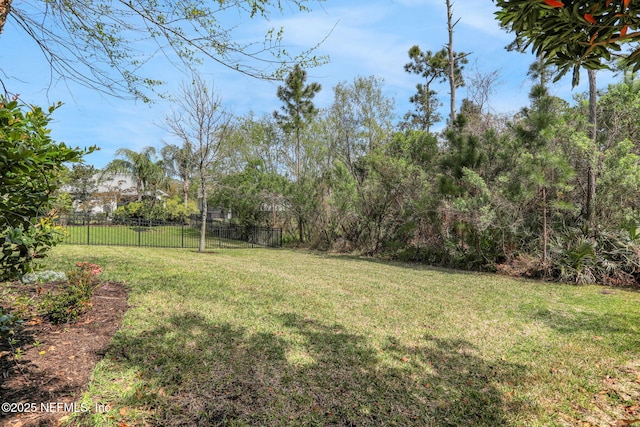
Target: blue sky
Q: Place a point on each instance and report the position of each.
(364, 38)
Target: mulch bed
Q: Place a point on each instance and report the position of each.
(55, 361)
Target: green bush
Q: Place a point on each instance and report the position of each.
(130, 210)
(604, 257)
(7, 323)
(65, 307)
(31, 164)
(154, 210)
(74, 297)
(177, 211)
(21, 246)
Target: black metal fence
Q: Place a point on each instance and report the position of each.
(85, 229)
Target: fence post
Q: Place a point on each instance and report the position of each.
(139, 231)
(182, 234)
(88, 228)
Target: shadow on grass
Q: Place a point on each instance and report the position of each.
(424, 266)
(306, 372)
(411, 265)
(620, 330)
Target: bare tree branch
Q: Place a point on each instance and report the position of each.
(104, 45)
(202, 124)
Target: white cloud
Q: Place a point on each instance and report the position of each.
(362, 38)
(480, 16)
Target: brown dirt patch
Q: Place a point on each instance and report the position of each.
(56, 361)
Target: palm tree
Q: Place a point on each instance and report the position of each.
(178, 161)
(147, 173)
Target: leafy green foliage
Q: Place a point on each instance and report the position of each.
(253, 195)
(298, 108)
(30, 162)
(66, 306)
(297, 97)
(147, 172)
(8, 322)
(180, 161)
(619, 108)
(82, 185)
(152, 209)
(23, 245)
(619, 182)
(433, 68)
(574, 33)
(73, 297)
(607, 257)
(464, 153)
(175, 210)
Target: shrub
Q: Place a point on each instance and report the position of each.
(605, 257)
(74, 297)
(177, 211)
(31, 163)
(23, 245)
(130, 210)
(7, 323)
(147, 209)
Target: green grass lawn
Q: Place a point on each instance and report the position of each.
(277, 337)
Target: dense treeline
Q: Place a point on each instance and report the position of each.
(491, 192)
(488, 193)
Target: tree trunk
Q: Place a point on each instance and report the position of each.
(203, 214)
(298, 155)
(452, 75)
(545, 232)
(300, 229)
(5, 9)
(591, 173)
(139, 186)
(185, 191)
(300, 226)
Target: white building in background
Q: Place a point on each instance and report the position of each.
(113, 190)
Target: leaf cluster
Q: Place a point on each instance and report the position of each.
(8, 322)
(297, 96)
(252, 194)
(433, 68)
(30, 162)
(73, 297)
(574, 33)
(148, 173)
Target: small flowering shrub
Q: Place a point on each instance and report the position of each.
(84, 276)
(74, 297)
